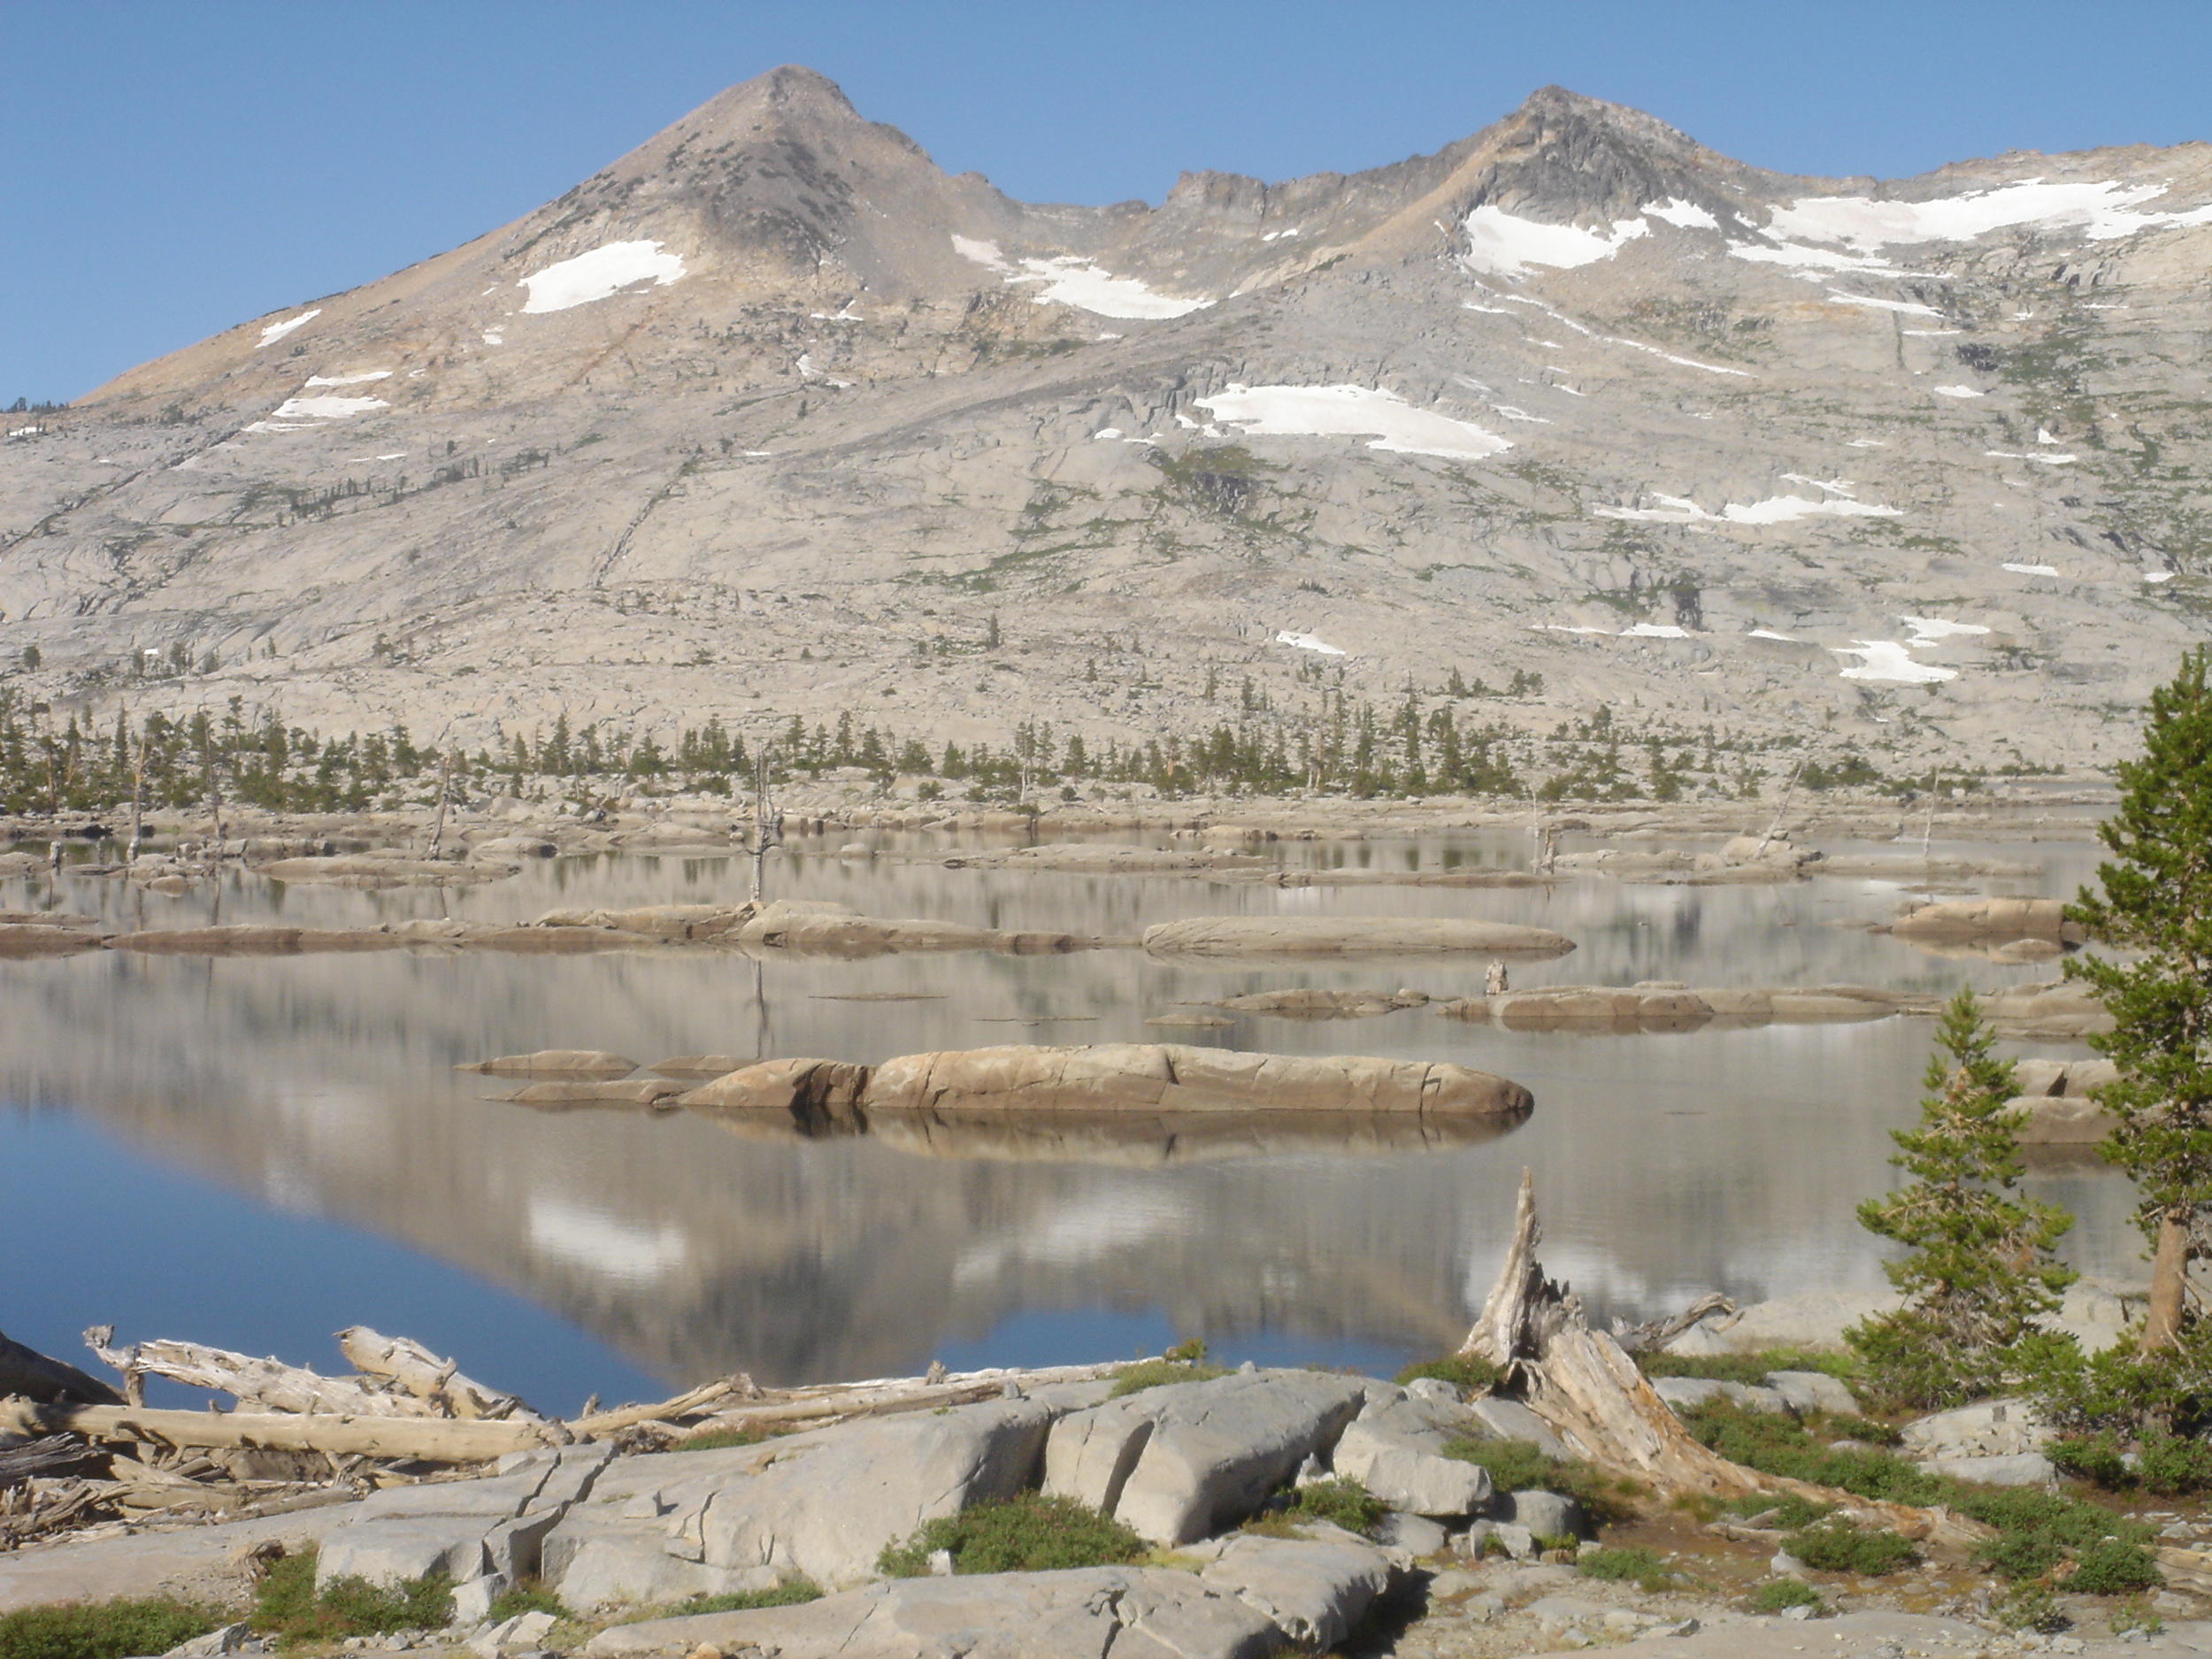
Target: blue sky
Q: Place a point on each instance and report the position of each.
(175, 166)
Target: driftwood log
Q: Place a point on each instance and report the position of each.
(48, 1455)
(26, 1371)
(436, 1382)
(1585, 1385)
(266, 1383)
(432, 1440)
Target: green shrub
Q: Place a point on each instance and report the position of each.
(2095, 1458)
(2030, 1606)
(790, 1592)
(2110, 1567)
(2173, 1464)
(1522, 1466)
(1777, 1595)
(288, 1606)
(1469, 1375)
(104, 1630)
(1872, 1430)
(1634, 1565)
(1341, 1501)
(1029, 1533)
(1837, 1544)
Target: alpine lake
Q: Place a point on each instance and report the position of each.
(257, 1152)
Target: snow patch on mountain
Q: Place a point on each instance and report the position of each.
(1836, 504)
(1070, 279)
(1889, 660)
(1309, 642)
(349, 379)
(599, 273)
(2102, 209)
(1505, 244)
(1688, 215)
(277, 331)
(1386, 420)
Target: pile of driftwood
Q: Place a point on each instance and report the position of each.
(74, 1451)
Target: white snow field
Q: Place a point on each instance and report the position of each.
(298, 414)
(1688, 215)
(1774, 509)
(1884, 306)
(2102, 209)
(1956, 391)
(1308, 643)
(1505, 244)
(1386, 420)
(594, 275)
(277, 331)
(1070, 279)
(349, 379)
(1930, 630)
(1769, 634)
(2032, 570)
(1888, 660)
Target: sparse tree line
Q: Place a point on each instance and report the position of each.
(1421, 746)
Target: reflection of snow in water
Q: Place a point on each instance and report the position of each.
(1084, 1231)
(575, 1233)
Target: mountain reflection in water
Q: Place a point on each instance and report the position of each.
(690, 1244)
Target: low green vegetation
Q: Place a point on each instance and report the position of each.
(1339, 1501)
(1778, 1595)
(1633, 1564)
(2165, 1464)
(790, 1592)
(1834, 1544)
(104, 1630)
(719, 1439)
(1776, 1444)
(529, 1596)
(1523, 1466)
(1744, 1367)
(1470, 1376)
(1185, 1362)
(289, 1607)
(1029, 1533)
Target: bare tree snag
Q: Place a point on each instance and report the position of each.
(1587, 1389)
(266, 1383)
(437, 1382)
(1654, 1335)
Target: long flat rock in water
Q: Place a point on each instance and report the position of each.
(1202, 937)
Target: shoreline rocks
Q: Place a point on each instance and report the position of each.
(1204, 938)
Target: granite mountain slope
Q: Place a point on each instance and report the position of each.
(772, 416)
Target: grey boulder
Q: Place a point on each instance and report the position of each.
(1178, 1463)
(1395, 1448)
(462, 1528)
(1685, 1393)
(1313, 1590)
(1806, 1391)
(1510, 1420)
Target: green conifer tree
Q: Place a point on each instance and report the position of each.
(1980, 1277)
(2156, 900)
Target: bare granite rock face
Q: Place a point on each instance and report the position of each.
(1916, 465)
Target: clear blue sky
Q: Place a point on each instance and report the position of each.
(175, 166)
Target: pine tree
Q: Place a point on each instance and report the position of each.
(1980, 1276)
(2157, 899)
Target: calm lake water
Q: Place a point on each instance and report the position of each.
(256, 1153)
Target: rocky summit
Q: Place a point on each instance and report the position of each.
(772, 416)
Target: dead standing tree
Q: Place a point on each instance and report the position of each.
(767, 822)
(1587, 1387)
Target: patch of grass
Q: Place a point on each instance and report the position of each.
(1469, 1375)
(2036, 1532)
(1185, 1362)
(715, 1440)
(288, 1606)
(1523, 1466)
(1837, 1544)
(1340, 1500)
(1788, 1513)
(1775, 1444)
(529, 1596)
(1029, 1533)
(1634, 1565)
(1777, 1596)
(2096, 1458)
(1744, 1367)
(790, 1592)
(104, 1630)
